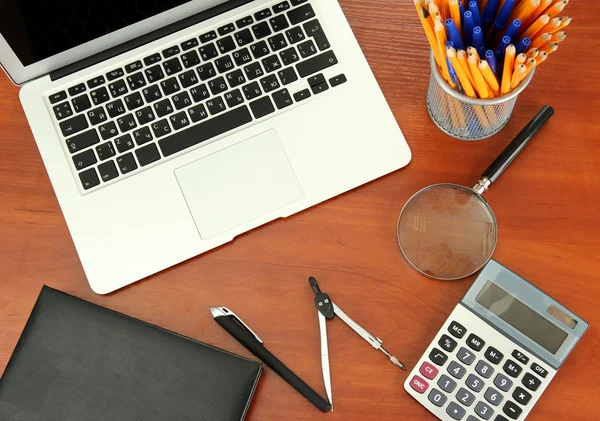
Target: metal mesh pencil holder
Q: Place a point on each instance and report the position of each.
(467, 118)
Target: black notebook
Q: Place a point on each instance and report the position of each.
(76, 361)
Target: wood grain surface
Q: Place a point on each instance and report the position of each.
(547, 206)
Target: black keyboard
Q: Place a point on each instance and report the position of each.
(139, 114)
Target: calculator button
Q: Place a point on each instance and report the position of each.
(531, 382)
(455, 411)
(457, 330)
(512, 410)
(437, 398)
(484, 369)
(500, 418)
(438, 357)
(465, 356)
(502, 382)
(447, 343)
(493, 355)
(428, 370)
(520, 356)
(418, 384)
(521, 396)
(465, 397)
(456, 370)
(475, 342)
(474, 383)
(472, 418)
(512, 368)
(484, 410)
(446, 383)
(493, 396)
(539, 370)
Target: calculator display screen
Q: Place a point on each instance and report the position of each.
(521, 317)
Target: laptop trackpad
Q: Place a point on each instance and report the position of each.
(239, 184)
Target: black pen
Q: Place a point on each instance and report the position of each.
(244, 335)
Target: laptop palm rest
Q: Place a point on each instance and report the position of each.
(238, 184)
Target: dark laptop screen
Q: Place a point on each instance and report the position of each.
(38, 29)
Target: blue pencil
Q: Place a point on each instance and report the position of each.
(500, 52)
(489, 13)
(468, 25)
(504, 14)
(523, 45)
(490, 57)
(513, 29)
(474, 9)
(478, 41)
(454, 34)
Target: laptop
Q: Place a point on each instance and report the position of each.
(169, 127)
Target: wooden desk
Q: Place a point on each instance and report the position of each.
(547, 207)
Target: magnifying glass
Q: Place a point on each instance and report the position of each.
(447, 231)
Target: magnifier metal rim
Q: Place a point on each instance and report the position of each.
(462, 188)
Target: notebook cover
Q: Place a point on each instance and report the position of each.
(76, 361)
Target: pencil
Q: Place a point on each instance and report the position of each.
(473, 51)
(440, 35)
(428, 31)
(556, 8)
(464, 63)
(533, 52)
(541, 40)
(531, 63)
(517, 76)
(558, 36)
(519, 59)
(489, 76)
(550, 28)
(552, 47)
(462, 77)
(544, 4)
(455, 14)
(541, 58)
(563, 23)
(434, 13)
(525, 9)
(509, 58)
(480, 83)
(536, 26)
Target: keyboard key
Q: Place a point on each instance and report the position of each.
(144, 115)
(154, 73)
(282, 99)
(262, 107)
(226, 45)
(198, 133)
(215, 105)
(142, 135)
(263, 14)
(438, 357)
(465, 397)
(539, 370)
(302, 95)
(512, 368)
(206, 71)
(163, 108)
(226, 29)
(181, 100)
(243, 37)
(147, 155)
(456, 329)
(132, 67)
(428, 370)
(105, 151)
(279, 23)
(446, 342)
(224, 64)
(474, 383)
(170, 86)
(307, 48)
(99, 96)
(235, 78)
(289, 56)
(493, 396)
(520, 356)
(475, 342)
(172, 66)
(84, 159)
(208, 52)
(337, 80)
(82, 141)
(502, 382)
(251, 91)
(315, 80)
(260, 49)
(446, 383)
(269, 83)
(118, 88)
(287, 75)
(295, 35)
(493, 355)
(57, 97)
(418, 384)
(73, 125)
(301, 14)
(484, 369)
(126, 123)
(77, 89)
(108, 130)
(126, 163)
(521, 396)
(297, 2)
(315, 31)
(271, 63)
(134, 101)
(277, 42)
(437, 398)
(152, 93)
(97, 115)
(261, 30)
(89, 178)
(456, 370)
(190, 59)
(189, 44)
(161, 128)
(240, 23)
(124, 143)
(217, 85)
(484, 410)
(154, 58)
(108, 171)
(97, 81)
(465, 356)
(197, 113)
(187, 79)
(531, 382)
(321, 87)
(455, 411)
(281, 7)
(171, 51)
(234, 98)
(200, 93)
(179, 120)
(512, 410)
(209, 36)
(115, 108)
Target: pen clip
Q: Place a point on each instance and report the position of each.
(224, 311)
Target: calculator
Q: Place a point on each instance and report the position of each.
(497, 352)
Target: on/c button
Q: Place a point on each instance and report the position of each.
(418, 384)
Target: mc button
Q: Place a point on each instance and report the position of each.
(457, 330)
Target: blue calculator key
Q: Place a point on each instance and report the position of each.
(493, 396)
(456, 411)
(437, 398)
(472, 418)
(447, 384)
(484, 410)
(474, 383)
(456, 370)
(502, 382)
(465, 397)
(465, 356)
(484, 369)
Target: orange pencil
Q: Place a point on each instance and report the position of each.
(533, 52)
(464, 63)
(455, 14)
(558, 36)
(520, 59)
(428, 31)
(563, 23)
(556, 8)
(517, 76)
(480, 83)
(490, 77)
(460, 73)
(550, 28)
(552, 47)
(531, 63)
(541, 58)
(440, 34)
(541, 40)
(541, 9)
(536, 26)
(509, 59)
(524, 10)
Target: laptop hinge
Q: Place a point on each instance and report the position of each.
(146, 38)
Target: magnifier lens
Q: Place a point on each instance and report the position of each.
(447, 231)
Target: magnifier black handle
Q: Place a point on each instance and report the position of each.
(315, 286)
(516, 146)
